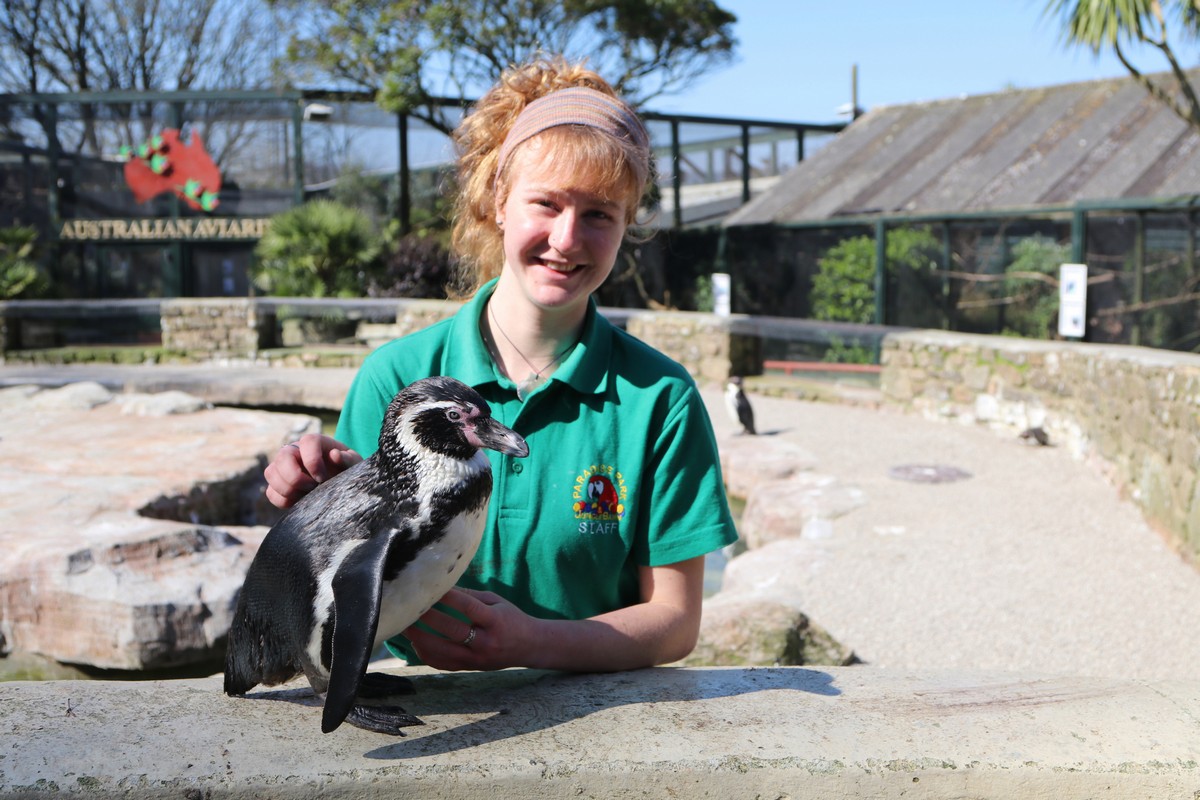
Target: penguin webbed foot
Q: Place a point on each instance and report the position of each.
(382, 719)
(382, 684)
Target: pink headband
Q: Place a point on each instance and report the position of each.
(577, 105)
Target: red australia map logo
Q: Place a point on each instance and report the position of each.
(166, 164)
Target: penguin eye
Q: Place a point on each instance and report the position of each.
(453, 415)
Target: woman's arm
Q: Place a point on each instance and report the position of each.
(661, 628)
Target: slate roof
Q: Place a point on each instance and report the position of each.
(1051, 146)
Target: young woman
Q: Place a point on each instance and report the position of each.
(593, 554)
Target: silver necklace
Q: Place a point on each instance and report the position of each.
(532, 382)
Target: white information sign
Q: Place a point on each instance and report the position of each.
(1072, 300)
(721, 293)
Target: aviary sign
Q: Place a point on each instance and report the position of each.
(226, 229)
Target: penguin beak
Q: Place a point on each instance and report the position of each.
(490, 434)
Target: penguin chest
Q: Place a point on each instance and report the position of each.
(432, 572)
(731, 403)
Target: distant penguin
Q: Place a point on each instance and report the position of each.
(1036, 436)
(738, 405)
(366, 553)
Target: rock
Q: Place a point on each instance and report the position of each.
(745, 631)
(748, 461)
(777, 571)
(81, 396)
(162, 404)
(129, 523)
(160, 596)
(802, 505)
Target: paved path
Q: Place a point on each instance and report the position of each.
(1033, 563)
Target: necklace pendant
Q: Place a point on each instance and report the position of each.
(529, 385)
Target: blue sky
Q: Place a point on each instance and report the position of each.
(795, 56)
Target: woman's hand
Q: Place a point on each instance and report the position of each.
(661, 628)
(491, 640)
(298, 467)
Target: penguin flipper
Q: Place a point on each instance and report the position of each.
(357, 587)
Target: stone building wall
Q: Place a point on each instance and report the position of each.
(1136, 409)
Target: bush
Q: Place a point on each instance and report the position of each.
(1034, 310)
(319, 249)
(844, 286)
(21, 277)
(415, 265)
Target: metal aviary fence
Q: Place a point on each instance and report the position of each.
(985, 272)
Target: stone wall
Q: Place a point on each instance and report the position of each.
(1134, 409)
(708, 345)
(216, 327)
(411, 316)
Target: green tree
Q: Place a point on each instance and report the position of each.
(1115, 24)
(844, 287)
(319, 249)
(1031, 287)
(20, 275)
(413, 52)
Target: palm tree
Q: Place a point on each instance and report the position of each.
(1114, 23)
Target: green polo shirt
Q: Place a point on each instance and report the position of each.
(622, 470)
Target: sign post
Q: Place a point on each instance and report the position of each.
(1072, 300)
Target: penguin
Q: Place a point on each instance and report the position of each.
(738, 405)
(364, 554)
(1035, 436)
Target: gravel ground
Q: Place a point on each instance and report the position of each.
(1033, 563)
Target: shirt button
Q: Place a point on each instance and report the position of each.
(517, 467)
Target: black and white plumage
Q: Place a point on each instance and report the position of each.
(366, 553)
(738, 405)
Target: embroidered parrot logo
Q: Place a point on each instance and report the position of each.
(602, 495)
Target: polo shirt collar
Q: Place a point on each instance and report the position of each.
(466, 357)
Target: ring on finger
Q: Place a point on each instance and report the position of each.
(470, 637)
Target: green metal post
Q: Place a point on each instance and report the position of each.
(173, 275)
(676, 177)
(298, 151)
(880, 273)
(52, 154)
(947, 259)
(1078, 236)
(1190, 255)
(405, 198)
(53, 208)
(745, 163)
(1139, 275)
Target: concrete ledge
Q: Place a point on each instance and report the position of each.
(700, 732)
